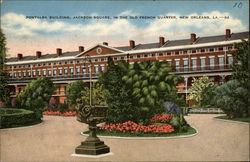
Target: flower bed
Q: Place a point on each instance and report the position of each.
(68, 113)
(131, 127)
(163, 118)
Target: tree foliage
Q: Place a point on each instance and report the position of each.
(232, 98)
(201, 90)
(4, 90)
(98, 94)
(241, 63)
(73, 91)
(151, 84)
(118, 98)
(36, 95)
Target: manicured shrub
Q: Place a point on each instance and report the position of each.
(232, 98)
(10, 118)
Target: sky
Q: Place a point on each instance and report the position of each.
(25, 35)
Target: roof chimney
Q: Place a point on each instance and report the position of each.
(81, 48)
(161, 41)
(19, 56)
(105, 43)
(193, 37)
(38, 54)
(228, 34)
(59, 51)
(132, 44)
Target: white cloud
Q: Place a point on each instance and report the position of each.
(117, 31)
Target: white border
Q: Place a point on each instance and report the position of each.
(92, 156)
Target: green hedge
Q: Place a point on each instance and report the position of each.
(10, 118)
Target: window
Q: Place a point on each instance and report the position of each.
(185, 65)
(96, 69)
(115, 58)
(138, 56)
(145, 55)
(96, 60)
(184, 52)
(60, 71)
(54, 72)
(193, 51)
(71, 70)
(14, 74)
(24, 73)
(102, 59)
(177, 65)
(49, 72)
(78, 61)
(211, 63)
(66, 71)
(169, 62)
(211, 50)
(131, 57)
(83, 70)
(44, 72)
(230, 60)
(102, 68)
(203, 63)
(65, 62)
(168, 53)
(34, 73)
(29, 73)
(220, 48)
(122, 57)
(153, 55)
(177, 52)
(221, 62)
(194, 64)
(160, 54)
(19, 74)
(202, 50)
(39, 72)
(77, 69)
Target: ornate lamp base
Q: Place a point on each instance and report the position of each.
(92, 148)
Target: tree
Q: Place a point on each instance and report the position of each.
(241, 63)
(231, 97)
(118, 99)
(200, 90)
(98, 95)
(4, 90)
(151, 85)
(36, 95)
(73, 91)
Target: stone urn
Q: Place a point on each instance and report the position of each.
(92, 115)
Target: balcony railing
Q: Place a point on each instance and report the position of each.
(86, 76)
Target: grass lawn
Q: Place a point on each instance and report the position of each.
(234, 119)
(121, 134)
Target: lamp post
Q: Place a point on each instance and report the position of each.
(91, 115)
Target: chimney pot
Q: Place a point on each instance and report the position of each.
(105, 43)
(132, 43)
(193, 37)
(81, 49)
(228, 34)
(59, 51)
(38, 54)
(161, 41)
(19, 56)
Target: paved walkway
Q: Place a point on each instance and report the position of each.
(56, 138)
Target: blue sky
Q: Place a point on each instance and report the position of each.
(37, 33)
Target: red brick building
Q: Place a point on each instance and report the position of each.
(191, 57)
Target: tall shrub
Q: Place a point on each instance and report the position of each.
(118, 99)
(232, 98)
(4, 90)
(73, 91)
(36, 95)
(151, 84)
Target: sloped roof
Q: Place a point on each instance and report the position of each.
(169, 43)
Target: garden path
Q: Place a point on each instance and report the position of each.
(57, 137)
